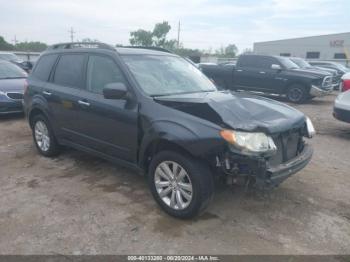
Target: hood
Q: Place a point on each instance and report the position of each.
(329, 70)
(12, 85)
(237, 111)
(312, 72)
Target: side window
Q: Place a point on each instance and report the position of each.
(69, 70)
(266, 62)
(248, 61)
(101, 71)
(44, 66)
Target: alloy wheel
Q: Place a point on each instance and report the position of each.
(173, 185)
(42, 137)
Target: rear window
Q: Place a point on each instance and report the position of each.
(44, 67)
(69, 70)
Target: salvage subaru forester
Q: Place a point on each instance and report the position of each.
(154, 111)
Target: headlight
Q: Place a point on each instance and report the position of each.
(249, 143)
(2, 93)
(310, 128)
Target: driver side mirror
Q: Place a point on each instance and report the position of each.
(115, 91)
(276, 67)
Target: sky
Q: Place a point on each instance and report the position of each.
(205, 24)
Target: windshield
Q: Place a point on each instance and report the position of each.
(300, 62)
(342, 67)
(287, 63)
(8, 70)
(9, 57)
(167, 75)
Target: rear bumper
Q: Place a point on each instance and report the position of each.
(9, 107)
(341, 114)
(277, 174)
(317, 92)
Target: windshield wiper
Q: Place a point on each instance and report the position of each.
(183, 93)
(13, 77)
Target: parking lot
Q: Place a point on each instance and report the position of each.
(79, 204)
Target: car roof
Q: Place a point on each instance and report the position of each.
(97, 46)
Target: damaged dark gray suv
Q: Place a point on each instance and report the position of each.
(157, 113)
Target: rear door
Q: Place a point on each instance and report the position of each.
(251, 73)
(62, 93)
(108, 126)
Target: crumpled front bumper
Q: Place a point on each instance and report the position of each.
(277, 174)
(316, 91)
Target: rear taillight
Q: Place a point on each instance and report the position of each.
(346, 85)
(26, 86)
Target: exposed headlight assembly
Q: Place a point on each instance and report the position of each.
(310, 128)
(249, 143)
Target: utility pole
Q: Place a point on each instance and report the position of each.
(178, 35)
(15, 40)
(71, 32)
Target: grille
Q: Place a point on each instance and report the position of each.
(287, 147)
(327, 82)
(15, 95)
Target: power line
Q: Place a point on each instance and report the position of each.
(72, 32)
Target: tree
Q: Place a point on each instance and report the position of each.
(31, 46)
(160, 32)
(156, 37)
(231, 50)
(5, 45)
(141, 37)
(87, 39)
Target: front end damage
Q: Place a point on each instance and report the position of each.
(264, 171)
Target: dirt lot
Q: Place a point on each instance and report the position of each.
(79, 204)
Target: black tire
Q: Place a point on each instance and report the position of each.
(200, 177)
(297, 93)
(53, 147)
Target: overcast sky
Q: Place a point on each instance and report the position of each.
(204, 24)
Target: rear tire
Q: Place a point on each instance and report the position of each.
(297, 94)
(43, 136)
(181, 185)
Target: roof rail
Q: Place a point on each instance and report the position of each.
(74, 45)
(156, 48)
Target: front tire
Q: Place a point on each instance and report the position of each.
(297, 94)
(43, 136)
(181, 185)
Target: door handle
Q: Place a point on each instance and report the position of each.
(47, 93)
(239, 70)
(83, 103)
(262, 72)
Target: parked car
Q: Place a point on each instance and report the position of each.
(155, 112)
(12, 84)
(341, 110)
(345, 82)
(303, 64)
(341, 69)
(270, 75)
(11, 57)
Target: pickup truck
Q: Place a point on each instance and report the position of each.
(270, 75)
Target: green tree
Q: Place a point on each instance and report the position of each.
(31, 46)
(160, 32)
(5, 46)
(231, 50)
(141, 37)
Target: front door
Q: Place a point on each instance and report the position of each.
(108, 126)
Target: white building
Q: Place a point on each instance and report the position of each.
(323, 47)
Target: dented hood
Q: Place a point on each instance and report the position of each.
(237, 111)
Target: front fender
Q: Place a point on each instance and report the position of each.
(196, 140)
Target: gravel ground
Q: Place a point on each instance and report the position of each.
(79, 204)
